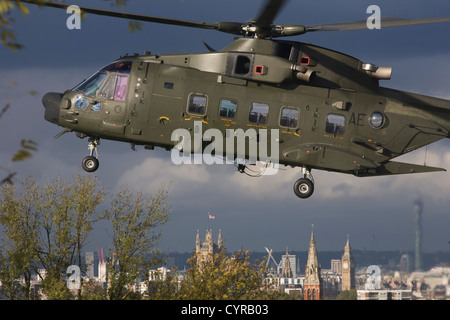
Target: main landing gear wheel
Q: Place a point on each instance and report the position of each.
(90, 163)
(304, 187)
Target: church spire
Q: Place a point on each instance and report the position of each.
(219, 240)
(313, 280)
(197, 242)
(287, 271)
(312, 254)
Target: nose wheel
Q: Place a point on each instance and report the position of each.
(304, 187)
(90, 163)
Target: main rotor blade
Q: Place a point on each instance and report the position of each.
(269, 12)
(132, 16)
(262, 25)
(362, 24)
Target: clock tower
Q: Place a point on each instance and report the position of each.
(348, 268)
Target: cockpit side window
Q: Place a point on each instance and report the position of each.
(109, 87)
(121, 88)
(115, 87)
(92, 85)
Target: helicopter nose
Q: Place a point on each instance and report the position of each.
(51, 102)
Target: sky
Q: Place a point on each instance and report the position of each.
(252, 213)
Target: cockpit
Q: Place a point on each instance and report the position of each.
(110, 82)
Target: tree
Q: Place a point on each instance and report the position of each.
(68, 212)
(219, 278)
(19, 221)
(46, 226)
(347, 295)
(135, 223)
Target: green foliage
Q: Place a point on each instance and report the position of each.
(219, 278)
(55, 288)
(8, 38)
(136, 222)
(92, 291)
(46, 226)
(19, 223)
(347, 295)
(134, 26)
(25, 152)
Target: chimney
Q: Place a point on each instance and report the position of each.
(418, 210)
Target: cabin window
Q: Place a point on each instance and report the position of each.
(289, 117)
(115, 87)
(197, 104)
(227, 108)
(259, 113)
(335, 125)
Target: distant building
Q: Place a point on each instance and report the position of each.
(418, 211)
(206, 251)
(89, 259)
(288, 265)
(348, 268)
(102, 269)
(336, 266)
(430, 284)
(405, 263)
(312, 286)
(384, 294)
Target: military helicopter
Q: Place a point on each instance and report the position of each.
(328, 107)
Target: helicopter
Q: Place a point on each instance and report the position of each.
(325, 110)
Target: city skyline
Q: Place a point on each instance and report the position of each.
(251, 212)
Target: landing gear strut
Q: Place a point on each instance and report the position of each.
(304, 187)
(90, 163)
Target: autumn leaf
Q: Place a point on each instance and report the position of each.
(24, 153)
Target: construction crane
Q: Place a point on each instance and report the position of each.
(269, 257)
